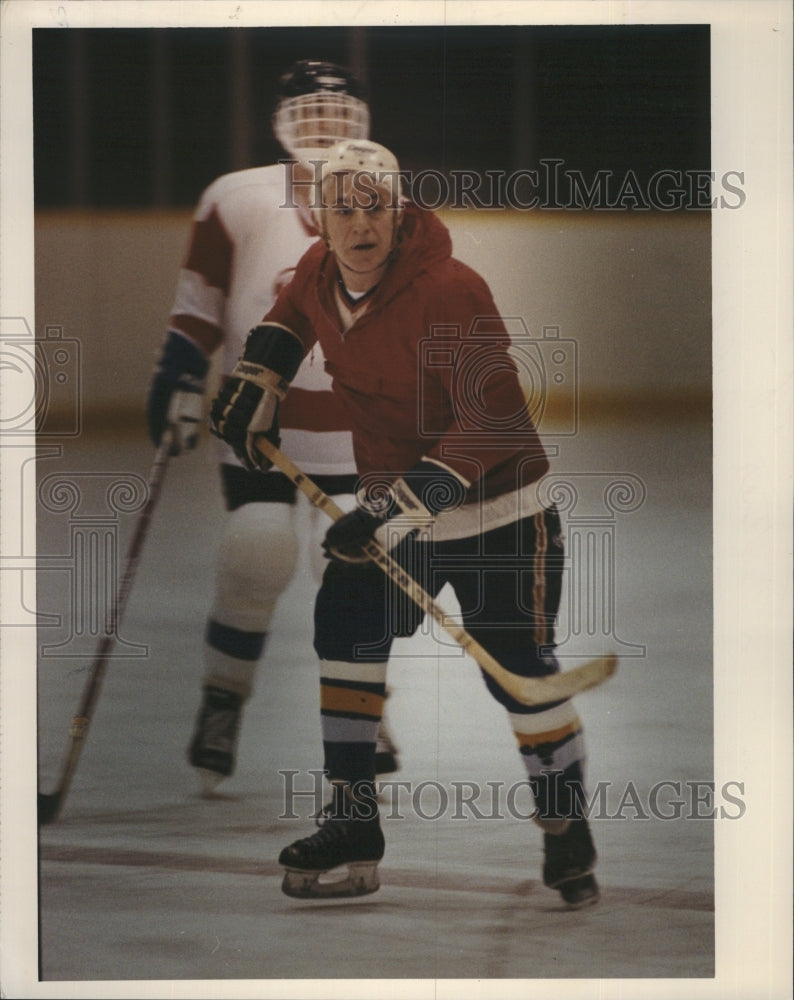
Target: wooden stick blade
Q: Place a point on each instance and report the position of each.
(566, 684)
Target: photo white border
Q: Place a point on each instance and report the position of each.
(753, 378)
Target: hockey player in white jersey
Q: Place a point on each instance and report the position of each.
(249, 230)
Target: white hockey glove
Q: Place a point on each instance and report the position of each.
(175, 399)
(247, 404)
(425, 491)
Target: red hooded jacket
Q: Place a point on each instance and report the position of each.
(425, 369)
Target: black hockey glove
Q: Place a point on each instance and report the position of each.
(176, 393)
(247, 404)
(425, 491)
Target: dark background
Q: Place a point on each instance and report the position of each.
(145, 117)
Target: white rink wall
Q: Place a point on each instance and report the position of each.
(632, 290)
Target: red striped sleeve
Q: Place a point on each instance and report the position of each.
(206, 335)
(210, 252)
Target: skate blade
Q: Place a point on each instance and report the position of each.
(360, 879)
(209, 781)
(579, 904)
(579, 892)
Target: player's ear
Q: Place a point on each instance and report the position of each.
(318, 218)
(397, 237)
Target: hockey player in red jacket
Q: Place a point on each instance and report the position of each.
(448, 462)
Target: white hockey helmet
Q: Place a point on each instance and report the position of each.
(319, 103)
(354, 156)
(378, 169)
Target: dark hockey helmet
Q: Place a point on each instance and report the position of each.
(319, 104)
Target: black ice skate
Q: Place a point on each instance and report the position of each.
(568, 864)
(212, 749)
(350, 836)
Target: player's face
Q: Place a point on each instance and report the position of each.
(360, 226)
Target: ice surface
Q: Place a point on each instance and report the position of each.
(142, 879)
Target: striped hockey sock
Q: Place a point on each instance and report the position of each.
(351, 705)
(551, 743)
(231, 656)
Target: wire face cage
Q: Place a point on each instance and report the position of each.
(316, 121)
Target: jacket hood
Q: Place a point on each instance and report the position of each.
(424, 241)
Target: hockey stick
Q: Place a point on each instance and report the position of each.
(527, 690)
(50, 804)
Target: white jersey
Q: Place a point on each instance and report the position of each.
(245, 242)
